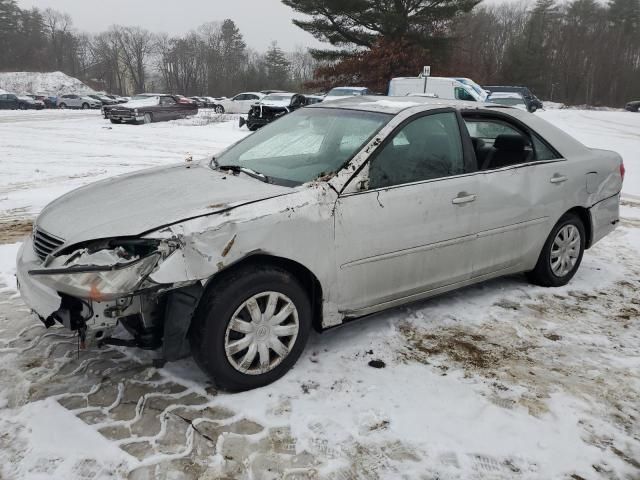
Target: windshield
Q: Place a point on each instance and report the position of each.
(305, 145)
(344, 92)
(277, 98)
(507, 101)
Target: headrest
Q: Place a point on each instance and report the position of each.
(477, 142)
(509, 143)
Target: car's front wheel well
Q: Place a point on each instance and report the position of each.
(305, 276)
(584, 215)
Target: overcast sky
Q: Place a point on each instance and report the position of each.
(260, 21)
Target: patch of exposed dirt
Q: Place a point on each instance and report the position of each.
(13, 231)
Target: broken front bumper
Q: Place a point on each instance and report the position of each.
(43, 300)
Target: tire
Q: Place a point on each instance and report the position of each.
(219, 109)
(85, 106)
(148, 118)
(545, 274)
(211, 329)
(118, 122)
(22, 106)
(253, 128)
(62, 106)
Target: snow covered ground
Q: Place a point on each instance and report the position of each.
(498, 381)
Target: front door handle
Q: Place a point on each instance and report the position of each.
(463, 197)
(558, 178)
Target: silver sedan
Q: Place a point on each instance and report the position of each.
(332, 212)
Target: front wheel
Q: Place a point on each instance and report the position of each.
(115, 121)
(219, 109)
(251, 327)
(562, 253)
(63, 106)
(85, 106)
(148, 118)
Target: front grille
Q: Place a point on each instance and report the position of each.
(121, 113)
(44, 243)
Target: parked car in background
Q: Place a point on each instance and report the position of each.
(148, 108)
(633, 106)
(477, 88)
(201, 103)
(241, 103)
(48, 102)
(103, 99)
(269, 92)
(340, 92)
(336, 211)
(78, 101)
(272, 107)
(9, 101)
(27, 102)
(312, 99)
(528, 95)
(437, 87)
(118, 98)
(511, 99)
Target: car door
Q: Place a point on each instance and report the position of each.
(4, 103)
(517, 192)
(410, 230)
(167, 109)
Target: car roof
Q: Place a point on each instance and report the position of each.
(394, 105)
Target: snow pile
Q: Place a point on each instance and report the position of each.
(54, 83)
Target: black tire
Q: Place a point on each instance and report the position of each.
(218, 305)
(63, 106)
(115, 121)
(85, 106)
(148, 118)
(22, 106)
(252, 127)
(219, 109)
(543, 274)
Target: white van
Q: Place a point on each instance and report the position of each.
(437, 87)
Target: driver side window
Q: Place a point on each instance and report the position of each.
(427, 148)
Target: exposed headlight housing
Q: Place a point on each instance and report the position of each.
(99, 282)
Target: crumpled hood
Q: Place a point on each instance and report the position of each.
(132, 204)
(275, 103)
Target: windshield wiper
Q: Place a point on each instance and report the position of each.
(248, 171)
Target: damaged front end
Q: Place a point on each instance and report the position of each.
(108, 282)
(260, 115)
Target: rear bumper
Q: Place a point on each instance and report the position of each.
(40, 298)
(605, 216)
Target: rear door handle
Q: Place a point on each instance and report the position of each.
(463, 197)
(558, 179)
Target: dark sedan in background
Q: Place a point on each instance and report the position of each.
(149, 107)
(633, 106)
(530, 99)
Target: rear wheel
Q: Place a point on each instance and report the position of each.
(63, 106)
(219, 109)
(562, 253)
(251, 327)
(22, 106)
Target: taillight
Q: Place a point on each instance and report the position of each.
(622, 170)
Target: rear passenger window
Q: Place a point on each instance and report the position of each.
(425, 149)
(498, 144)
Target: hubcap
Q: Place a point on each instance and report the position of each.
(261, 333)
(565, 250)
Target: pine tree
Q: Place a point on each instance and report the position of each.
(349, 24)
(277, 66)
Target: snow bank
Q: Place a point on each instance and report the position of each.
(55, 83)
